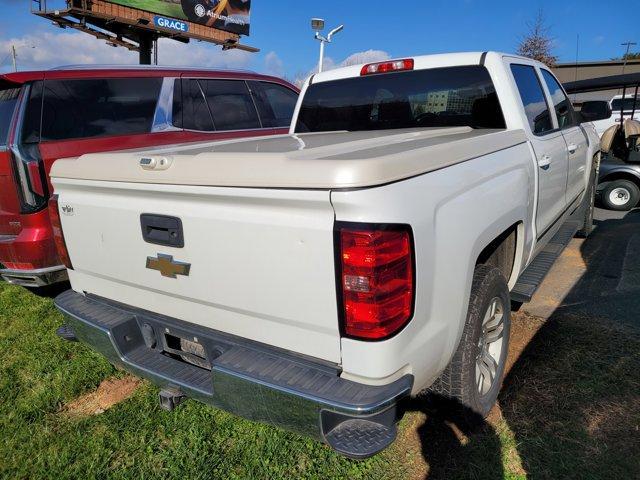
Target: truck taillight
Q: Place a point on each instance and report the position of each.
(376, 275)
(58, 235)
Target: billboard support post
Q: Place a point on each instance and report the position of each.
(145, 43)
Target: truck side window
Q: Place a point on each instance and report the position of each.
(98, 107)
(275, 103)
(562, 105)
(230, 104)
(532, 96)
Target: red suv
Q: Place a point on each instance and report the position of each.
(70, 111)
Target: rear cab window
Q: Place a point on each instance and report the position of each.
(438, 97)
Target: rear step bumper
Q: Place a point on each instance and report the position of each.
(35, 278)
(252, 380)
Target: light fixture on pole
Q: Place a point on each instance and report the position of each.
(317, 24)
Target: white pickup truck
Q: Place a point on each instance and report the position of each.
(315, 280)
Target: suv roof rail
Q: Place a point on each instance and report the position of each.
(148, 67)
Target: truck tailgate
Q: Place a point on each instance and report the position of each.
(261, 260)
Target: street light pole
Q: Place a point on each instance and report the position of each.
(321, 62)
(318, 25)
(13, 56)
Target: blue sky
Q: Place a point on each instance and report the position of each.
(401, 28)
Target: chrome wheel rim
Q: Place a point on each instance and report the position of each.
(619, 196)
(490, 346)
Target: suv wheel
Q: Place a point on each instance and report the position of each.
(474, 376)
(620, 195)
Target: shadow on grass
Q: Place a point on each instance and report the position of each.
(50, 291)
(456, 442)
(570, 404)
(572, 399)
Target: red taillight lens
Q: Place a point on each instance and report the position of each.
(376, 280)
(58, 236)
(386, 67)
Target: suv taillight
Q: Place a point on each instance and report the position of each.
(376, 274)
(31, 178)
(58, 235)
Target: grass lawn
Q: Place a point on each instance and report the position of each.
(570, 408)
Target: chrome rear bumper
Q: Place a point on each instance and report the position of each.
(35, 278)
(252, 380)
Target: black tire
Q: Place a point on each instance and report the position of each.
(626, 188)
(588, 205)
(459, 379)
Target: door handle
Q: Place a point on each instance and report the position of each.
(572, 148)
(544, 161)
(162, 230)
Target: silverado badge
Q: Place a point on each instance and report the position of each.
(167, 266)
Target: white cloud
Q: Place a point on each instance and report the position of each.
(367, 56)
(65, 48)
(273, 64)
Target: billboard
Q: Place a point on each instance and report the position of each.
(228, 15)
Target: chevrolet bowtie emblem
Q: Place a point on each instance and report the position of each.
(167, 266)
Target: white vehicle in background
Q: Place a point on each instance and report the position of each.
(616, 103)
(315, 280)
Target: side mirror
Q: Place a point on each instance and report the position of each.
(595, 110)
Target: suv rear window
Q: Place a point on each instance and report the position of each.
(439, 97)
(616, 103)
(98, 107)
(8, 99)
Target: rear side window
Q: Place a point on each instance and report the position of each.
(562, 105)
(275, 103)
(230, 104)
(215, 105)
(8, 100)
(75, 109)
(439, 97)
(533, 100)
(194, 111)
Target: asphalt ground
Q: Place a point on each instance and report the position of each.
(599, 276)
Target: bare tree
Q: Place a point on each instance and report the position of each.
(538, 44)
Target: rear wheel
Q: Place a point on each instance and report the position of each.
(474, 376)
(621, 195)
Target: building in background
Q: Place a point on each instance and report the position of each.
(569, 72)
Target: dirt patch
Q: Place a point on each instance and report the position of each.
(110, 392)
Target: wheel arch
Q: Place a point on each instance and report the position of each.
(504, 251)
(622, 174)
